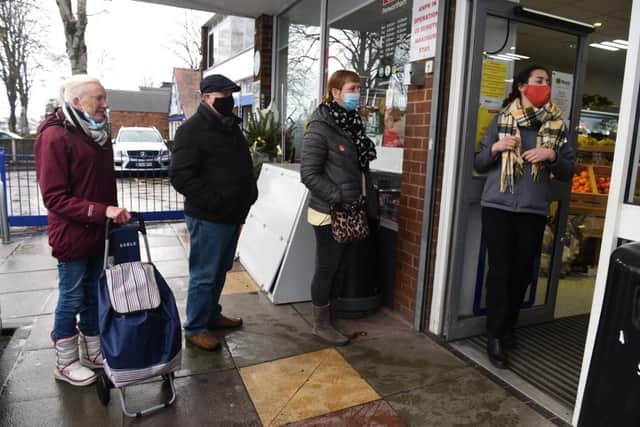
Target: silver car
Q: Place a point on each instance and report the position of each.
(140, 149)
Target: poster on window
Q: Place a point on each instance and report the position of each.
(561, 92)
(391, 5)
(424, 29)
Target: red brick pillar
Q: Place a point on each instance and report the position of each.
(264, 44)
(412, 198)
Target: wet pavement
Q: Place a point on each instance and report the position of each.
(272, 371)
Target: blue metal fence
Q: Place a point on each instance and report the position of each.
(140, 188)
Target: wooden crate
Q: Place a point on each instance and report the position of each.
(591, 203)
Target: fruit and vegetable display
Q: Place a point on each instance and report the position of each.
(580, 182)
(603, 182)
(586, 139)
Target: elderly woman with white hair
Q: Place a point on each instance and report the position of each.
(74, 163)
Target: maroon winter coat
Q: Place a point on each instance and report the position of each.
(77, 181)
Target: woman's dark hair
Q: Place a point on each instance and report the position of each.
(522, 79)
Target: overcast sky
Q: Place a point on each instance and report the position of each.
(129, 44)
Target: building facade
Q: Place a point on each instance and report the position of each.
(146, 107)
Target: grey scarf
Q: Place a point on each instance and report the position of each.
(100, 134)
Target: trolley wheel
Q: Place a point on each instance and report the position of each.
(103, 386)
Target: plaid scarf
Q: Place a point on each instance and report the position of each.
(350, 122)
(551, 134)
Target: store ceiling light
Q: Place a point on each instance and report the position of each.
(622, 42)
(602, 46)
(614, 44)
(597, 24)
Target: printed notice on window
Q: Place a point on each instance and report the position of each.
(494, 76)
(424, 29)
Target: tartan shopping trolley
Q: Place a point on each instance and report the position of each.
(140, 332)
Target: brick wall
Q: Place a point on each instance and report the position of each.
(129, 118)
(263, 43)
(412, 190)
(412, 198)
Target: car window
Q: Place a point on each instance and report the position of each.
(138, 135)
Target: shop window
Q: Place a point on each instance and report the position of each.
(298, 69)
(374, 42)
(633, 191)
(210, 50)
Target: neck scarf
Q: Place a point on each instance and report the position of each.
(551, 134)
(100, 134)
(350, 122)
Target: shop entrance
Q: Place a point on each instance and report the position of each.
(505, 39)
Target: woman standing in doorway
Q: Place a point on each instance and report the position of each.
(335, 164)
(524, 147)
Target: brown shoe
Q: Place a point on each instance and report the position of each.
(225, 322)
(205, 341)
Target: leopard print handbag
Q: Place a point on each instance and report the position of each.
(349, 222)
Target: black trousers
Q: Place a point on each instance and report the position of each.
(330, 256)
(513, 240)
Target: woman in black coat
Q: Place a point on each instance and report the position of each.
(335, 167)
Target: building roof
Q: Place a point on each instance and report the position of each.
(145, 100)
(188, 85)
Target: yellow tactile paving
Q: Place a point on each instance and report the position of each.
(304, 386)
(239, 283)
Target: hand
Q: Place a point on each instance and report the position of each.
(118, 215)
(538, 155)
(508, 143)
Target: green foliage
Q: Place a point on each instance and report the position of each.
(264, 135)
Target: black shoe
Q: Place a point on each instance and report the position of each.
(495, 351)
(510, 340)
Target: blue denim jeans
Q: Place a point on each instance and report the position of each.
(77, 295)
(213, 248)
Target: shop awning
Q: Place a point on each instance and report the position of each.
(249, 8)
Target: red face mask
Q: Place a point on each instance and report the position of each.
(538, 94)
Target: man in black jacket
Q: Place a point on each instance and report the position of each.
(211, 166)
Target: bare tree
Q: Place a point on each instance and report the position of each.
(74, 29)
(18, 48)
(186, 45)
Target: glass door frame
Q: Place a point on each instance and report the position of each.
(621, 219)
(456, 327)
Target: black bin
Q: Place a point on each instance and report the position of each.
(357, 291)
(612, 393)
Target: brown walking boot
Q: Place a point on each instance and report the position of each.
(205, 341)
(225, 322)
(323, 328)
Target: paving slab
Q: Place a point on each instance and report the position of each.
(304, 386)
(173, 268)
(77, 407)
(20, 304)
(400, 362)
(28, 281)
(375, 325)
(39, 336)
(215, 399)
(165, 253)
(198, 361)
(269, 331)
(21, 263)
(7, 249)
(377, 413)
(470, 400)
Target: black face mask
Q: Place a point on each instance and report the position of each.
(224, 105)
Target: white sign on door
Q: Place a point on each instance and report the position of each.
(562, 91)
(424, 29)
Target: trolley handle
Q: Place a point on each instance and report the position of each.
(142, 228)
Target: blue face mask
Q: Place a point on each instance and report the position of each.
(351, 101)
(97, 125)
